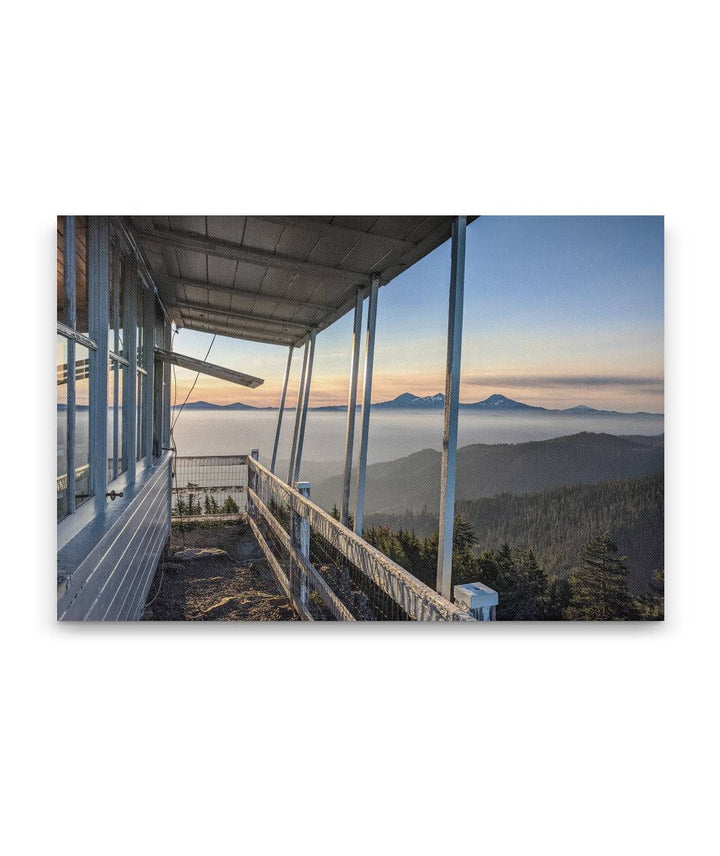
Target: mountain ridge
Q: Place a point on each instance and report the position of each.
(495, 403)
(489, 469)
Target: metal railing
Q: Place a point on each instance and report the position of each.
(326, 571)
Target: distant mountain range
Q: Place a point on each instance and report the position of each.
(207, 405)
(495, 403)
(407, 401)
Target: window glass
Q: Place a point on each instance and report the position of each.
(118, 465)
(139, 415)
(121, 311)
(81, 280)
(82, 425)
(62, 353)
(122, 457)
(112, 308)
(159, 325)
(159, 382)
(140, 325)
(61, 313)
(111, 421)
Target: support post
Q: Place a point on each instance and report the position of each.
(98, 278)
(352, 404)
(303, 415)
(367, 394)
(149, 359)
(282, 409)
(448, 466)
(132, 287)
(167, 385)
(69, 287)
(298, 408)
(301, 530)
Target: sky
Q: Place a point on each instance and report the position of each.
(558, 311)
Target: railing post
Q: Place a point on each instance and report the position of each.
(301, 540)
(478, 599)
(252, 475)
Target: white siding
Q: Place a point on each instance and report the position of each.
(107, 569)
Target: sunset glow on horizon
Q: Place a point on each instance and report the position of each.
(559, 312)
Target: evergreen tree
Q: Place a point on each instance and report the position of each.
(532, 587)
(557, 599)
(657, 586)
(464, 537)
(517, 602)
(351, 520)
(464, 541)
(229, 506)
(652, 605)
(599, 589)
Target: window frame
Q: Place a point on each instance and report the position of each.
(129, 286)
(72, 336)
(117, 463)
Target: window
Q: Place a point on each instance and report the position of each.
(82, 424)
(73, 366)
(160, 383)
(117, 456)
(82, 308)
(144, 355)
(106, 395)
(62, 421)
(140, 421)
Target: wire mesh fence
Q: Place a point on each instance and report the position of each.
(327, 572)
(330, 572)
(287, 538)
(209, 486)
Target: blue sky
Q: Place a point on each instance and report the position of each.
(558, 311)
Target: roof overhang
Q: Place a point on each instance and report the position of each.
(275, 279)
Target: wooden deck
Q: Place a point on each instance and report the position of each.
(214, 571)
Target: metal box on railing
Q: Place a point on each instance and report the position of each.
(478, 599)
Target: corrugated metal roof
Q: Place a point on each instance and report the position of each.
(274, 279)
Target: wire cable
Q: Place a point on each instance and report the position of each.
(194, 382)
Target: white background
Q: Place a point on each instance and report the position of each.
(276, 739)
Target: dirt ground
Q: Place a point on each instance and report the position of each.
(215, 572)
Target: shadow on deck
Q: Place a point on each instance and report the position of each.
(215, 571)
